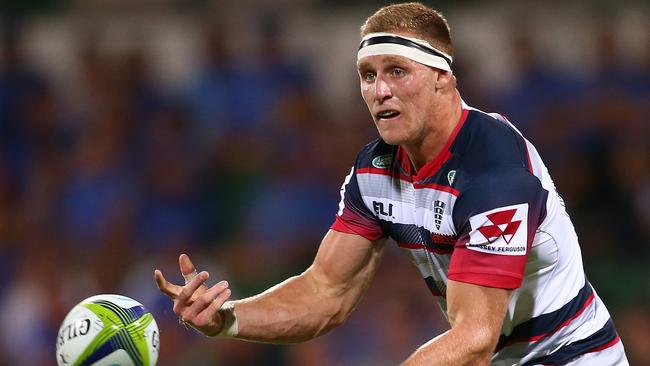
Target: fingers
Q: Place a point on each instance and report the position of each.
(187, 267)
(189, 273)
(190, 288)
(206, 299)
(209, 313)
(214, 322)
(195, 303)
(165, 286)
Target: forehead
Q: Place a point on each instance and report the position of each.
(379, 60)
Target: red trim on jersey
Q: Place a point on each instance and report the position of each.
(381, 171)
(487, 279)
(606, 345)
(411, 245)
(438, 293)
(405, 178)
(343, 226)
(422, 246)
(438, 187)
(486, 269)
(429, 169)
(564, 324)
(441, 239)
(432, 167)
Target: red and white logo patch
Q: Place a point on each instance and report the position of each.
(503, 230)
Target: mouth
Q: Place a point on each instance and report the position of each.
(387, 115)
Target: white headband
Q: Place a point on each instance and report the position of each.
(413, 48)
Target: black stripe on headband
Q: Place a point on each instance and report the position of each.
(403, 42)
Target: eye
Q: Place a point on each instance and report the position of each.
(398, 72)
(369, 77)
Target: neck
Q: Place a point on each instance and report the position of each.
(442, 126)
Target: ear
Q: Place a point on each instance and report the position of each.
(445, 81)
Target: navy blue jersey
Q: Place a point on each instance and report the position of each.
(485, 211)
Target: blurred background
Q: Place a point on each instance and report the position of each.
(132, 131)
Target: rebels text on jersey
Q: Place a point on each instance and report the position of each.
(485, 211)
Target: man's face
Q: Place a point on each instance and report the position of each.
(400, 94)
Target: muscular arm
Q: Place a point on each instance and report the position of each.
(476, 315)
(319, 299)
(300, 308)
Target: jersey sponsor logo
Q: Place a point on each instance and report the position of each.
(382, 210)
(503, 230)
(382, 161)
(438, 211)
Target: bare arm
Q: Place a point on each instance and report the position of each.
(298, 309)
(476, 315)
(319, 299)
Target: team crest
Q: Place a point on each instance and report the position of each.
(450, 176)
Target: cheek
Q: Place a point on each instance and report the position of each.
(367, 93)
(366, 89)
(418, 104)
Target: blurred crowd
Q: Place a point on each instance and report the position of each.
(109, 176)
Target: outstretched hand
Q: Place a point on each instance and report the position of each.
(194, 303)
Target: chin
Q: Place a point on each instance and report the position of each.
(393, 133)
(392, 138)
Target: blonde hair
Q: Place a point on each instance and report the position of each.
(423, 22)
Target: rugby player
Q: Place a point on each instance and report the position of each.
(465, 196)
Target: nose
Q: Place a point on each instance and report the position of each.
(382, 89)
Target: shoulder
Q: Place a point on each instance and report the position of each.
(494, 165)
(376, 154)
(490, 142)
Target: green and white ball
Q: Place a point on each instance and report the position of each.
(108, 330)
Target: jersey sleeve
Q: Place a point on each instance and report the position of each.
(353, 216)
(496, 218)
